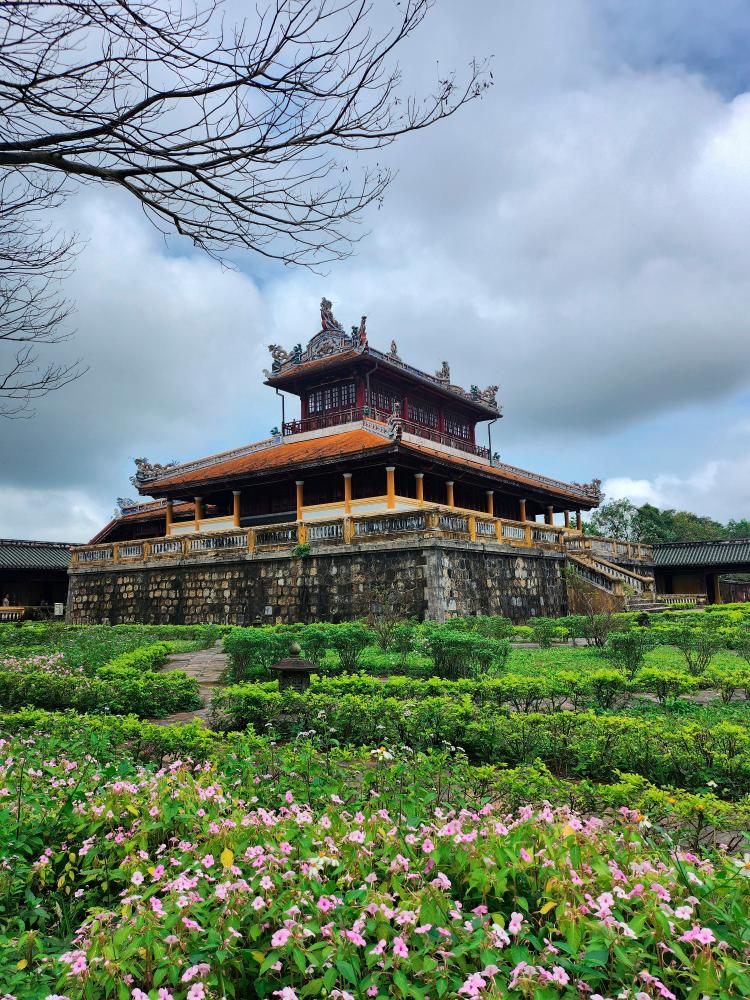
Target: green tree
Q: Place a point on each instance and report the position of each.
(615, 519)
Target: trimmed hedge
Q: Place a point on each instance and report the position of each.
(127, 690)
(571, 744)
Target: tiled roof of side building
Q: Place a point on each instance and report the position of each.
(726, 552)
(280, 456)
(21, 554)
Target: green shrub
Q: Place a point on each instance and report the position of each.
(464, 654)
(727, 681)
(667, 685)
(544, 630)
(607, 687)
(144, 658)
(697, 645)
(523, 692)
(349, 640)
(627, 649)
(251, 651)
(126, 691)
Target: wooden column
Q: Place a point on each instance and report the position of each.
(236, 508)
(714, 591)
(348, 492)
(300, 483)
(579, 521)
(549, 517)
(390, 485)
(491, 502)
(198, 512)
(419, 482)
(170, 516)
(566, 515)
(449, 493)
(521, 510)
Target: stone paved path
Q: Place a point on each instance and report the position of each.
(207, 666)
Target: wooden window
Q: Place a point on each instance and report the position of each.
(457, 426)
(333, 397)
(382, 397)
(423, 413)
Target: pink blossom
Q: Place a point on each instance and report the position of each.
(515, 923)
(399, 948)
(280, 938)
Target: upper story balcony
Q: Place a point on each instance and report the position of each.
(336, 418)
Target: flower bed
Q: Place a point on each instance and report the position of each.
(197, 882)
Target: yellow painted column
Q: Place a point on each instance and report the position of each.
(472, 527)
(521, 510)
(566, 515)
(449, 494)
(419, 480)
(549, 517)
(390, 483)
(236, 508)
(348, 492)
(300, 483)
(491, 502)
(169, 516)
(198, 512)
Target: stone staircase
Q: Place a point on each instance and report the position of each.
(610, 577)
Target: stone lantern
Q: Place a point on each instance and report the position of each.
(294, 672)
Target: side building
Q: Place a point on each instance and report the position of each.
(379, 492)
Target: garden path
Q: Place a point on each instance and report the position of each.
(207, 666)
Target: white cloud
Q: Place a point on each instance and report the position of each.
(51, 514)
(578, 236)
(718, 488)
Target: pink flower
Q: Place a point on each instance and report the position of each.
(196, 992)
(280, 938)
(427, 845)
(515, 923)
(208, 861)
(287, 993)
(137, 878)
(379, 947)
(399, 948)
(164, 994)
(139, 994)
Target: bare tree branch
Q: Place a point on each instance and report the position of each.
(236, 137)
(233, 139)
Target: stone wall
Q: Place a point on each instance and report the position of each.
(422, 579)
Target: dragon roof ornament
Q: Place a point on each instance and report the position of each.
(332, 339)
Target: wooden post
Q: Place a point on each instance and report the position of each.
(472, 527)
(301, 533)
(116, 552)
(419, 480)
(491, 502)
(715, 596)
(250, 539)
(521, 510)
(527, 535)
(449, 494)
(579, 521)
(299, 483)
(390, 485)
(236, 508)
(348, 530)
(348, 492)
(566, 515)
(198, 514)
(549, 517)
(499, 530)
(170, 516)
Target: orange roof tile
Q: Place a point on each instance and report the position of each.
(515, 476)
(280, 456)
(306, 366)
(292, 454)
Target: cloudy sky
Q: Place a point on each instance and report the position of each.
(580, 236)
